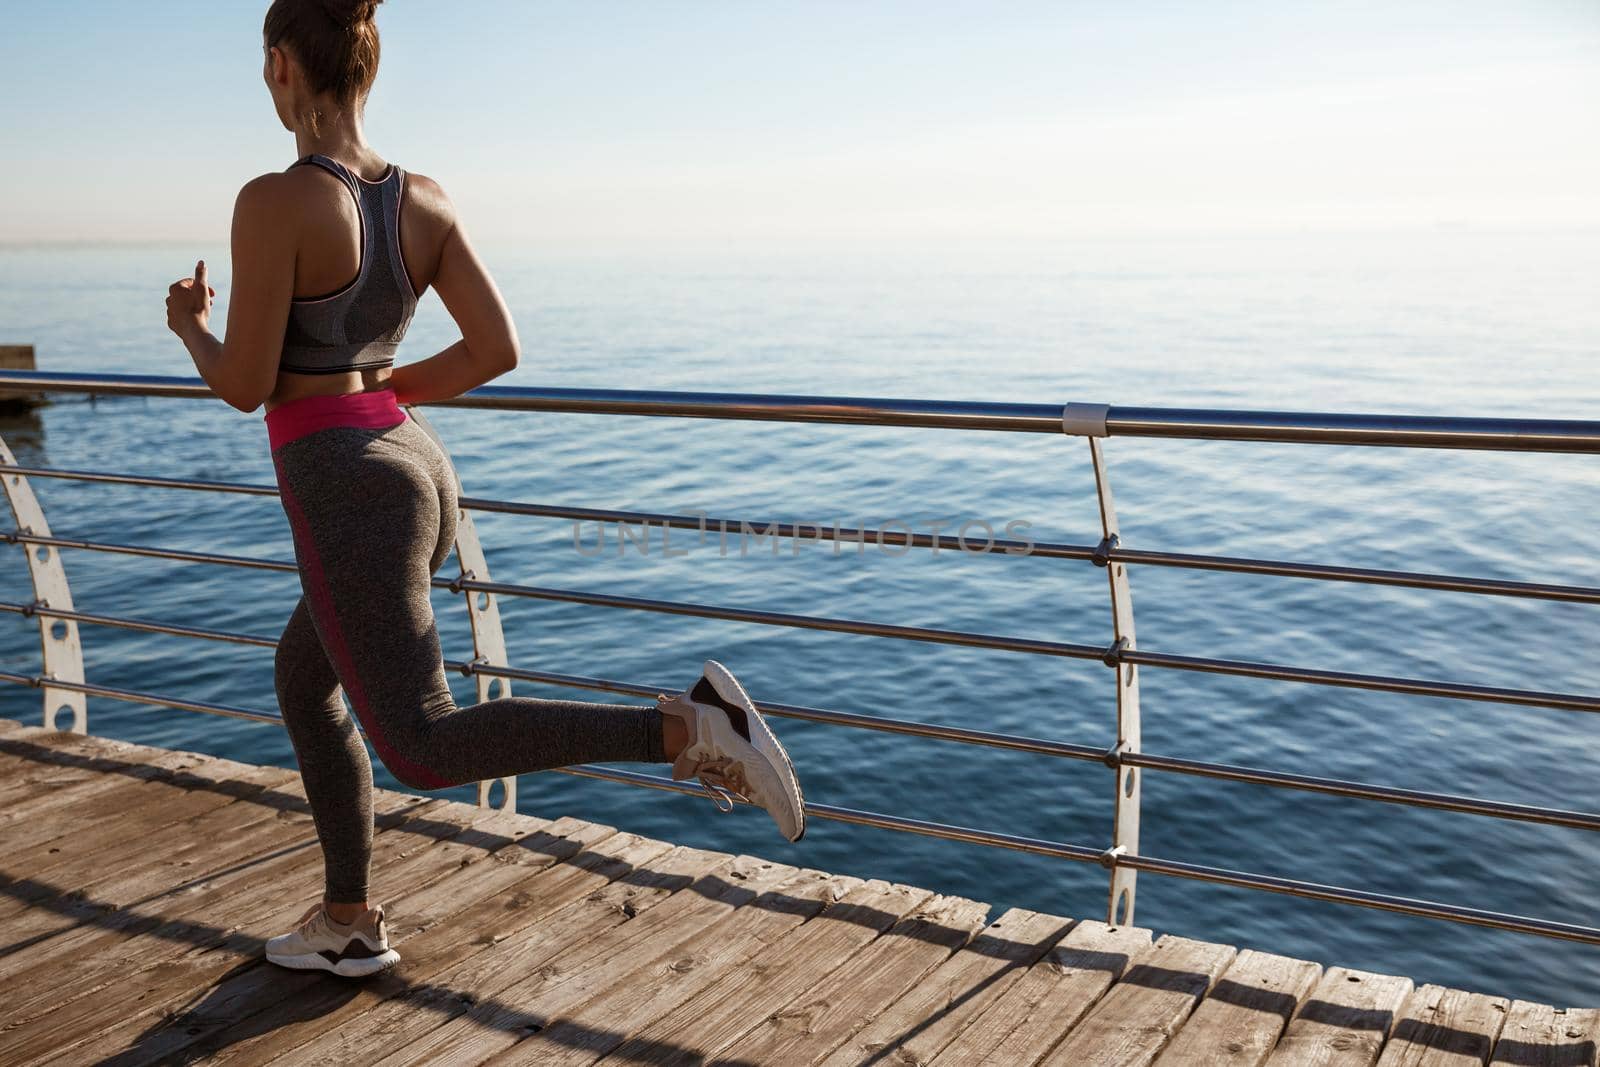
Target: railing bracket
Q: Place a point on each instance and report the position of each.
(1113, 653)
(1085, 420)
(1113, 756)
(1108, 859)
(1102, 551)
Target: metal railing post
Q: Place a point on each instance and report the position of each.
(58, 638)
(1089, 420)
(483, 612)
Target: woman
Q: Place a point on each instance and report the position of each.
(329, 259)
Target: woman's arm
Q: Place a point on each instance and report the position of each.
(243, 369)
(488, 347)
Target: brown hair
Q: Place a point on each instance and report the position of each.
(336, 41)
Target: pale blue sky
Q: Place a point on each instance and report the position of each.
(608, 121)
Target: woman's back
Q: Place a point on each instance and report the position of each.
(360, 324)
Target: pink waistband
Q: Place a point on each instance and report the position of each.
(307, 414)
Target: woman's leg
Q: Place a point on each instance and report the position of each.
(373, 517)
(333, 761)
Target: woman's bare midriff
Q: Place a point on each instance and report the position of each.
(292, 386)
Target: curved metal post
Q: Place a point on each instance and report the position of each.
(483, 612)
(58, 638)
(1125, 831)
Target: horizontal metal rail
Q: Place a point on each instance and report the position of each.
(1035, 846)
(961, 735)
(1030, 646)
(1012, 742)
(1414, 431)
(898, 538)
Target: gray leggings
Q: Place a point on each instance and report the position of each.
(371, 502)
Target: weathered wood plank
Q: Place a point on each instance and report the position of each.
(45, 815)
(1241, 1019)
(205, 951)
(135, 943)
(440, 978)
(188, 914)
(727, 1008)
(1441, 1027)
(96, 861)
(825, 1016)
(73, 808)
(150, 810)
(494, 902)
(933, 1012)
(1344, 1021)
(1049, 998)
(1536, 1035)
(512, 1004)
(435, 1022)
(1133, 1022)
(639, 996)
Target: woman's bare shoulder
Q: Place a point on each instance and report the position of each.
(426, 199)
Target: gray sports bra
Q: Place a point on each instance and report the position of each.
(359, 326)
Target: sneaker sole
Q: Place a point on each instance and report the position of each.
(352, 968)
(728, 687)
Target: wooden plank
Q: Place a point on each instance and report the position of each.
(180, 914)
(933, 1012)
(107, 949)
(96, 862)
(18, 357)
(96, 1027)
(103, 774)
(432, 1021)
(464, 913)
(151, 811)
(23, 779)
(442, 978)
(1345, 1021)
(1241, 1019)
(1133, 1022)
(1441, 1027)
(1049, 998)
(63, 812)
(645, 993)
(262, 794)
(1537, 1035)
(727, 1008)
(825, 1016)
(509, 1004)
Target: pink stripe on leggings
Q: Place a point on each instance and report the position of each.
(321, 603)
(376, 409)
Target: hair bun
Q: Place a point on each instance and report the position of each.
(350, 13)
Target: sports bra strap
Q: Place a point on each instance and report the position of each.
(339, 170)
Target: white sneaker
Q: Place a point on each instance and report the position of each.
(320, 944)
(731, 748)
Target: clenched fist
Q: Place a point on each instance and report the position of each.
(189, 303)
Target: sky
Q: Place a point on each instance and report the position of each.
(660, 120)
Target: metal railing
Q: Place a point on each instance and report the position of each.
(65, 688)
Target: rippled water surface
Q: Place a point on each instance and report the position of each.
(1451, 321)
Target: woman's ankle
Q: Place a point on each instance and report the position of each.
(674, 736)
(343, 912)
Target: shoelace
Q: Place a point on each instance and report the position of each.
(719, 778)
(308, 920)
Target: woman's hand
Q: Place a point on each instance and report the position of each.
(189, 303)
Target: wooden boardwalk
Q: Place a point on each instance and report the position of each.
(137, 886)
